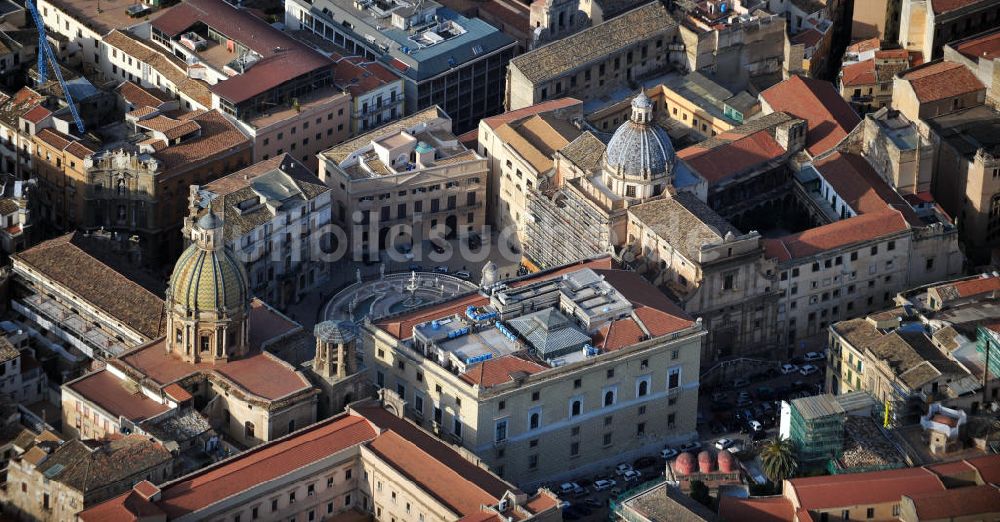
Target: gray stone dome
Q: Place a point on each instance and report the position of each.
(640, 149)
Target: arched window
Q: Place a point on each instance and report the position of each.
(643, 388)
(248, 429)
(533, 420)
(609, 398)
(575, 408)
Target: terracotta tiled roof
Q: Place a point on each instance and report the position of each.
(945, 6)
(37, 114)
(985, 47)
(283, 58)
(957, 503)
(835, 235)
(359, 77)
(766, 509)
(109, 393)
(142, 97)
(77, 465)
(173, 69)
(256, 466)
(618, 334)
(218, 137)
(446, 484)
(23, 101)
(53, 138)
(861, 73)
(861, 489)
(498, 370)
(128, 507)
(536, 138)
(809, 38)
(538, 108)
(940, 80)
(653, 309)
(723, 161)
(854, 179)
(977, 286)
(870, 44)
(829, 118)
(79, 149)
(72, 264)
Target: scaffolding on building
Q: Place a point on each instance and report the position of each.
(817, 427)
(563, 228)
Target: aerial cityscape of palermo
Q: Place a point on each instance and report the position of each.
(499, 260)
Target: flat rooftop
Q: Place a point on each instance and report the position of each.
(102, 16)
(970, 130)
(426, 48)
(897, 128)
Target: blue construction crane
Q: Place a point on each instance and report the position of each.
(45, 55)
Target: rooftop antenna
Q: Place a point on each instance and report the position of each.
(46, 56)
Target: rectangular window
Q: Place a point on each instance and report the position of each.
(674, 378)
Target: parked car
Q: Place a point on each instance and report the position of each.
(441, 269)
(594, 503)
(808, 369)
(788, 368)
(603, 484)
(623, 468)
(814, 356)
(669, 453)
(632, 476)
(570, 488)
(690, 446)
(719, 396)
(416, 268)
(742, 403)
(739, 383)
(463, 274)
(722, 444)
(755, 425)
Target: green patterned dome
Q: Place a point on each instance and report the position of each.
(208, 277)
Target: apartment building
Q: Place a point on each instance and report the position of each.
(868, 84)
(21, 376)
(272, 207)
(363, 464)
(411, 172)
(376, 92)
(16, 145)
(80, 26)
(925, 26)
(935, 89)
(444, 58)
(55, 481)
(930, 348)
(135, 180)
(519, 147)
(962, 488)
(875, 247)
(595, 61)
(565, 372)
(979, 53)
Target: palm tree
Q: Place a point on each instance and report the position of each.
(778, 458)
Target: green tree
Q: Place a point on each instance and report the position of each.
(778, 459)
(699, 492)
